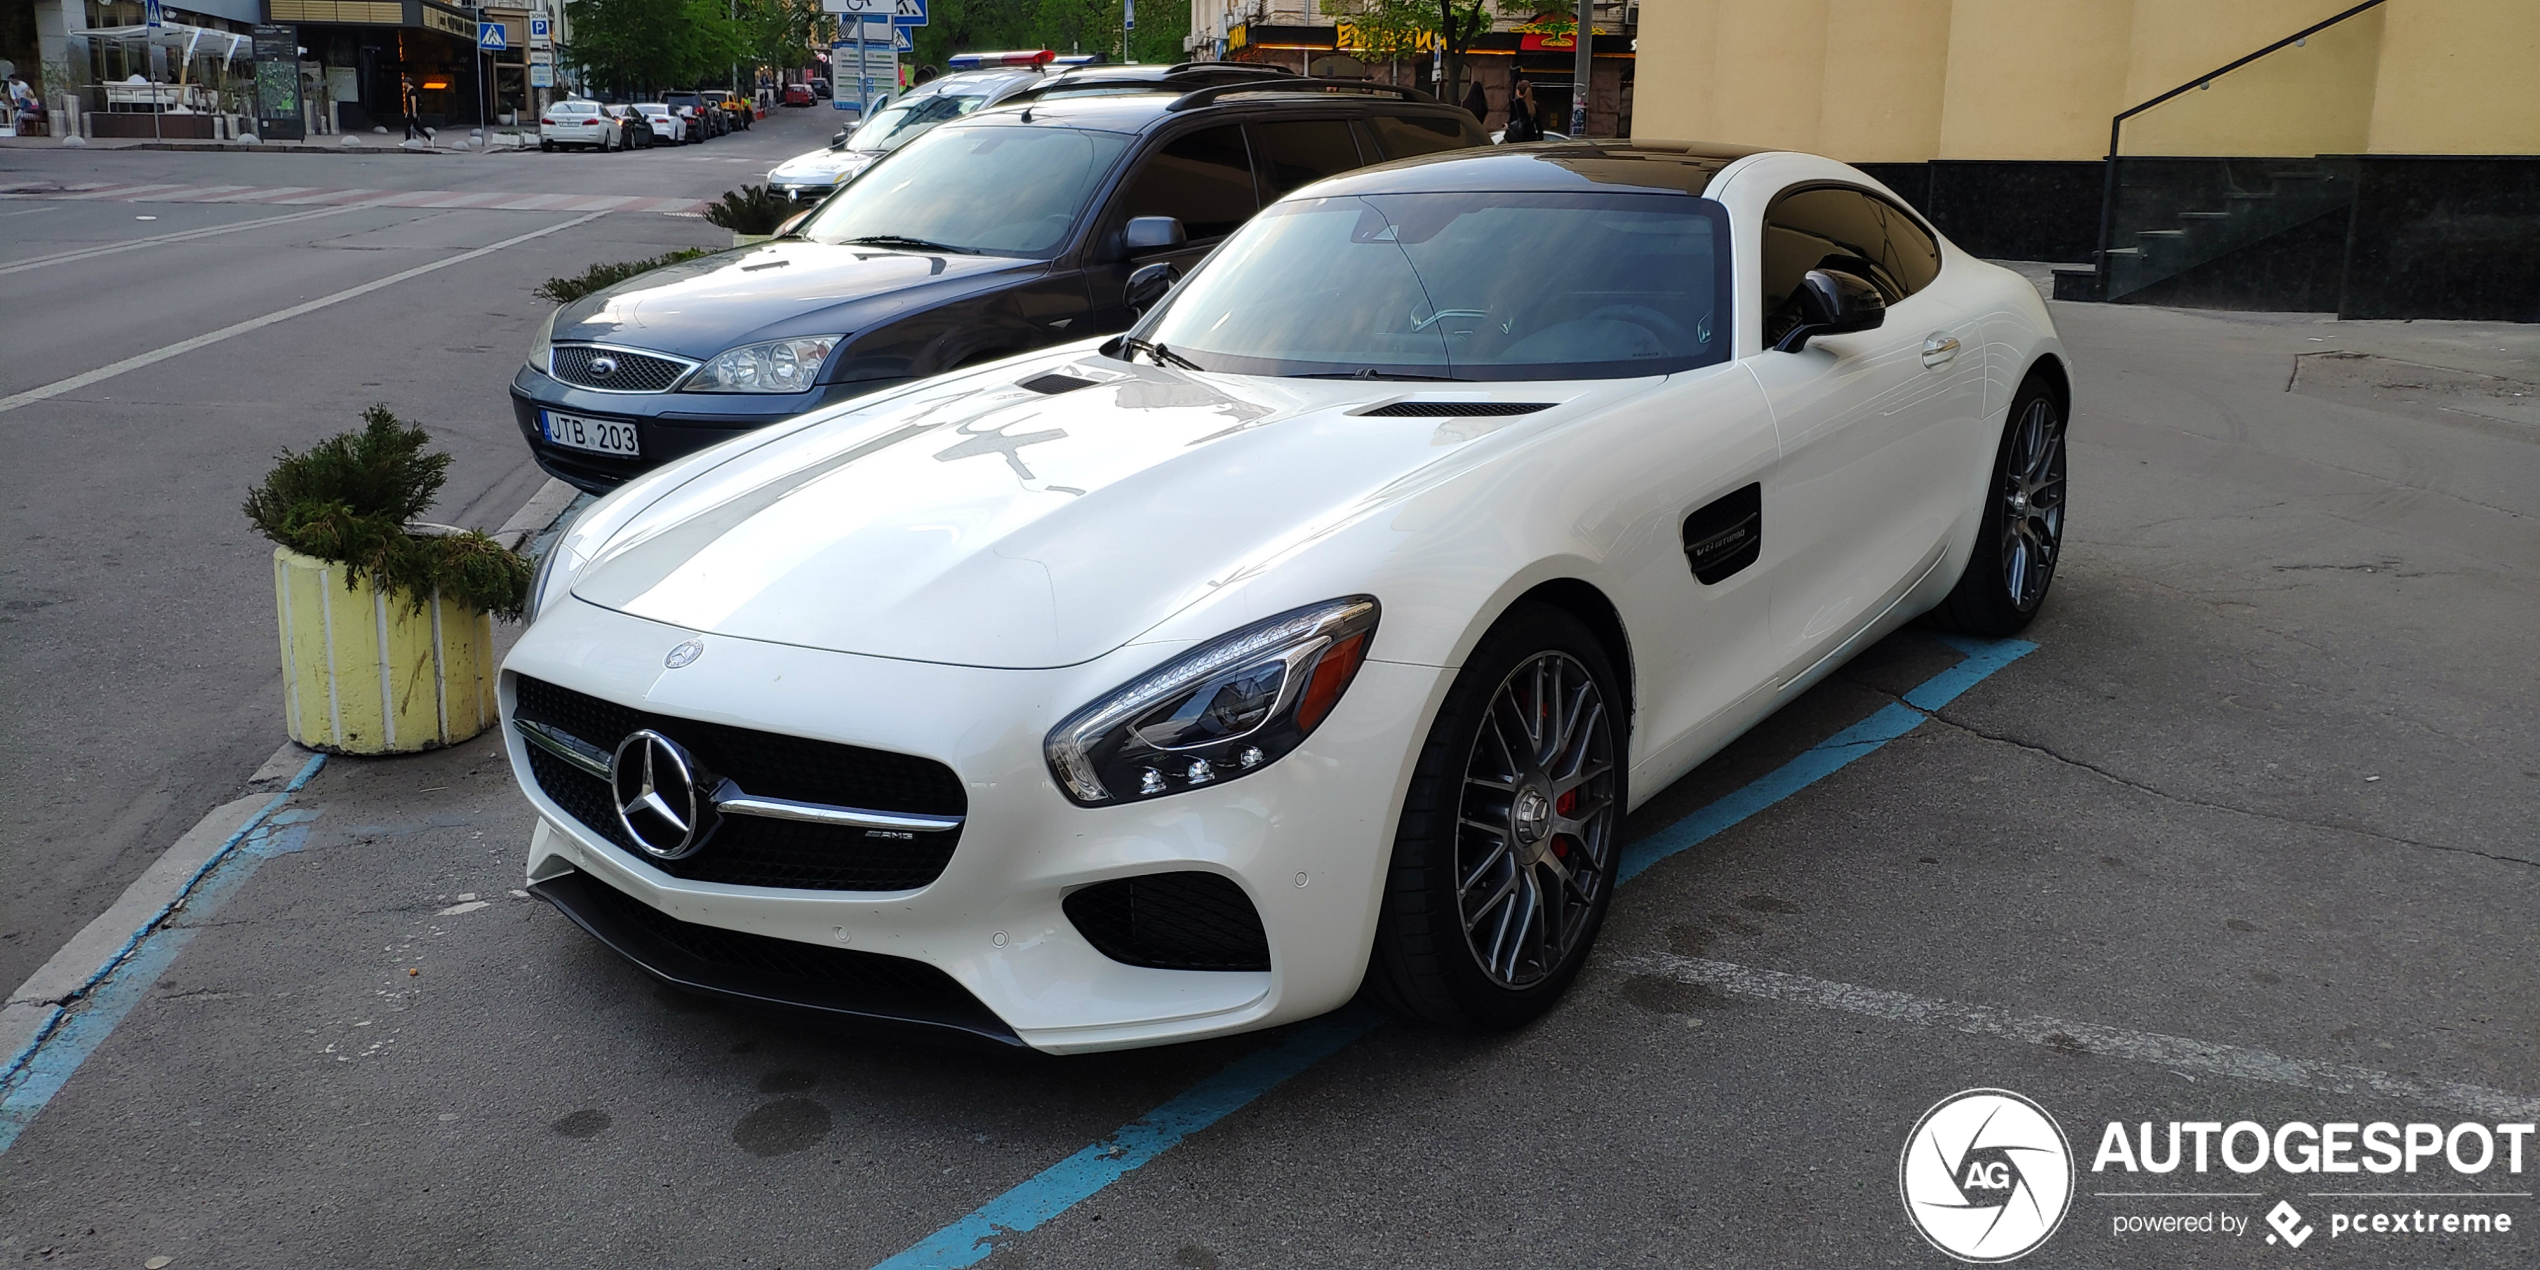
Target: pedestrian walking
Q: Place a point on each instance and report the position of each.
(412, 105)
(1522, 125)
(1477, 103)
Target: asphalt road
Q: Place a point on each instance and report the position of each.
(139, 684)
(2248, 835)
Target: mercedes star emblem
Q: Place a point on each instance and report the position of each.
(655, 786)
(603, 366)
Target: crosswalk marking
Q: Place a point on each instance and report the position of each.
(317, 196)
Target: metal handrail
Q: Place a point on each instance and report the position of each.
(2116, 125)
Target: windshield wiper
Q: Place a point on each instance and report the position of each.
(1163, 356)
(901, 240)
(1370, 372)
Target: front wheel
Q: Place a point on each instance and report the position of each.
(2020, 532)
(1505, 856)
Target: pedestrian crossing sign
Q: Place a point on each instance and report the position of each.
(490, 37)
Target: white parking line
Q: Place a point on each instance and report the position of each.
(2177, 1053)
(157, 355)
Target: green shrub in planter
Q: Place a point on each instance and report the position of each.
(751, 209)
(352, 500)
(568, 290)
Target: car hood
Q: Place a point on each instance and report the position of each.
(823, 165)
(702, 307)
(977, 522)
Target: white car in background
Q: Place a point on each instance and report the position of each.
(1319, 631)
(667, 124)
(575, 122)
(808, 178)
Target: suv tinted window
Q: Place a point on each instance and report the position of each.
(1834, 227)
(1299, 152)
(1402, 136)
(1203, 179)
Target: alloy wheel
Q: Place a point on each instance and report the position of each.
(1534, 839)
(2033, 504)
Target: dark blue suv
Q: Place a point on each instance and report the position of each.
(994, 234)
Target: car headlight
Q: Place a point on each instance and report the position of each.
(543, 344)
(1219, 712)
(775, 366)
(546, 575)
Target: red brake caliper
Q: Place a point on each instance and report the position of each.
(1561, 806)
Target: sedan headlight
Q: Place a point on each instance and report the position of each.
(1221, 711)
(775, 366)
(544, 342)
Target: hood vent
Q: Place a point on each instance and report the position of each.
(1454, 409)
(1055, 383)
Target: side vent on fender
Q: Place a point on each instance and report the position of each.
(1726, 534)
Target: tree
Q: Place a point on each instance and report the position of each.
(1458, 24)
(635, 46)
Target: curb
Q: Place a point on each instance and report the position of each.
(36, 1005)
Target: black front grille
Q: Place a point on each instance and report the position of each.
(1172, 921)
(632, 372)
(1456, 409)
(763, 968)
(751, 850)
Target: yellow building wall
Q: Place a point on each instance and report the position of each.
(1884, 74)
(2033, 79)
(2458, 77)
(1905, 80)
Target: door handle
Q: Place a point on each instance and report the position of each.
(1939, 348)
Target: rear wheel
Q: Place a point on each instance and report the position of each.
(1504, 859)
(2020, 537)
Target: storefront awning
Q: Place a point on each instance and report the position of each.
(176, 36)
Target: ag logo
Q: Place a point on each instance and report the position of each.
(1986, 1175)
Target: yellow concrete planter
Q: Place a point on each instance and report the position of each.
(365, 673)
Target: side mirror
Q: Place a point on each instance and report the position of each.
(1153, 233)
(1832, 302)
(1149, 284)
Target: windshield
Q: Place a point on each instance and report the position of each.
(999, 191)
(1460, 286)
(897, 125)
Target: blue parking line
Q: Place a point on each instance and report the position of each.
(1081, 1176)
(31, 1077)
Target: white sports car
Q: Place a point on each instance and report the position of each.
(1319, 631)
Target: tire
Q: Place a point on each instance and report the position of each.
(1512, 965)
(546, 145)
(2020, 529)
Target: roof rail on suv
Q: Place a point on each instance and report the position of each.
(1183, 76)
(1298, 86)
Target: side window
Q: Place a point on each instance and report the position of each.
(1297, 152)
(1203, 179)
(1402, 136)
(1831, 227)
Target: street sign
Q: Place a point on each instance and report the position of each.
(539, 29)
(490, 37)
(901, 41)
(899, 12)
(151, 15)
(1128, 15)
(542, 74)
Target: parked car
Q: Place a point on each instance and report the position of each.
(633, 130)
(798, 94)
(740, 110)
(705, 121)
(809, 178)
(1320, 631)
(997, 233)
(576, 122)
(668, 125)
